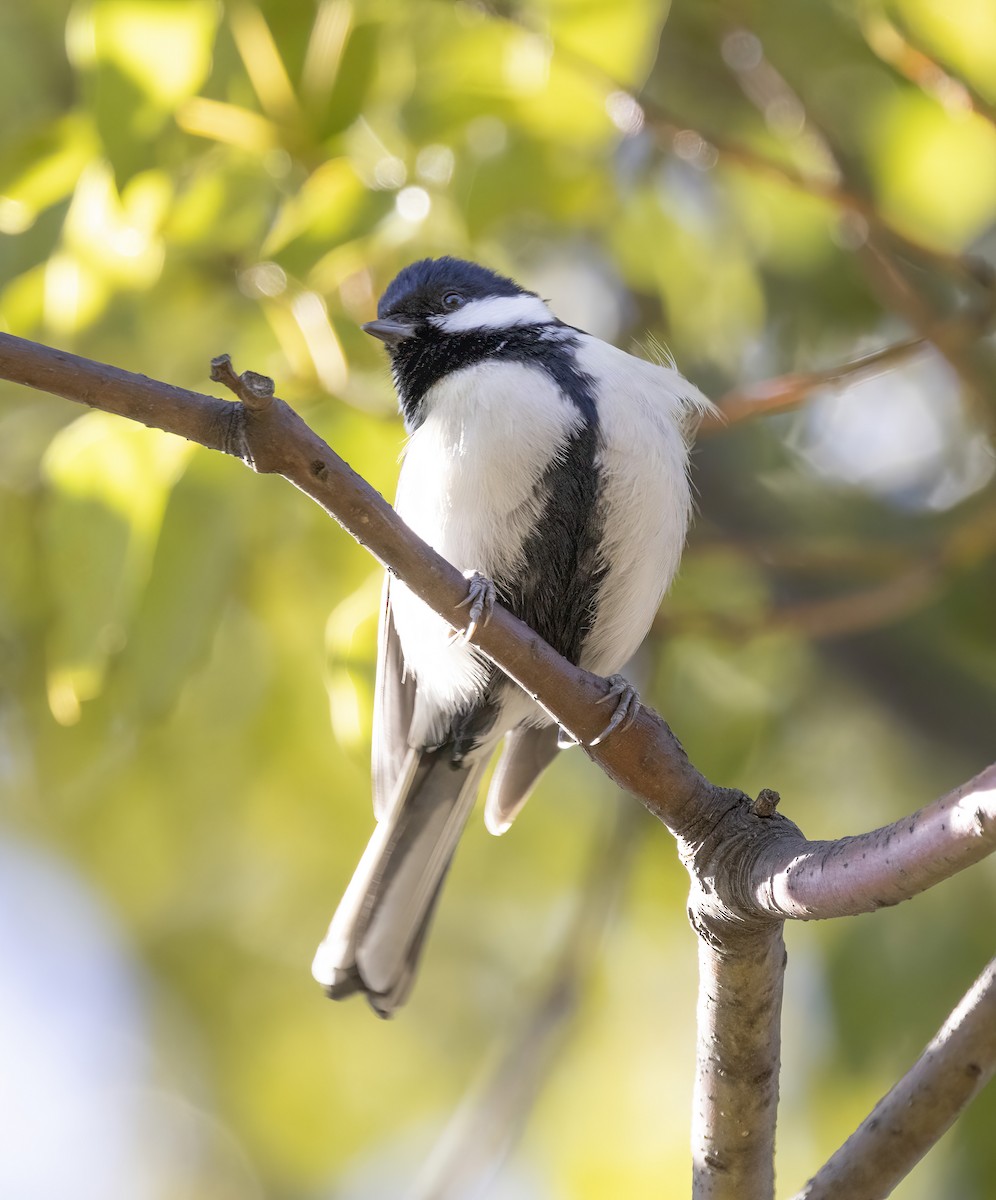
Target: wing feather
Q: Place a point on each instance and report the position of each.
(394, 703)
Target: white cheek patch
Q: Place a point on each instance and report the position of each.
(497, 312)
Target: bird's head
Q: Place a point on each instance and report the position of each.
(441, 297)
(441, 316)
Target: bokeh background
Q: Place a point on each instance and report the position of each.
(186, 649)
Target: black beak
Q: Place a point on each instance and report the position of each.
(391, 331)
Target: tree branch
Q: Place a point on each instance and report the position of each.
(896, 47)
(734, 1107)
(884, 867)
(790, 390)
(903, 1126)
(271, 438)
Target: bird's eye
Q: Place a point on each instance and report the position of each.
(452, 300)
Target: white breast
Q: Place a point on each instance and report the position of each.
(643, 410)
(468, 488)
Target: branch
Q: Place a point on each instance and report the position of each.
(735, 1104)
(884, 867)
(903, 1126)
(911, 582)
(897, 48)
(741, 980)
(272, 439)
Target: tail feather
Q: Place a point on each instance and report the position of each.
(527, 752)
(376, 936)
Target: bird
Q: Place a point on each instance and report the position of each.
(551, 468)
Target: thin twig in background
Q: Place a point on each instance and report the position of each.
(898, 48)
(911, 582)
(673, 131)
(790, 390)
(489, 1121)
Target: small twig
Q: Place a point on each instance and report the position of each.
(855, 611)
(911, 584)
(766, 802)
(907, 1122)
(787, 391)
(255, 391)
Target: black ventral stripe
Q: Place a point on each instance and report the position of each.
(555, 590)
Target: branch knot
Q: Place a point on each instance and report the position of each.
(254, 390)
(766, 802)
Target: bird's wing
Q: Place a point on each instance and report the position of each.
(394, 703)
(527, 751)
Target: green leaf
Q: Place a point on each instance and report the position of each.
(184, 594)
(108, 481)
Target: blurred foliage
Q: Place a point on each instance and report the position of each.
(763, 187)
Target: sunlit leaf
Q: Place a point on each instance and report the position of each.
(75, 293)
(108, 483)
(612, 39)
(182, 596)
(163, 48)
(353, 78)
(914, 144)
(117, 235)
(43, 168)
(320, 210)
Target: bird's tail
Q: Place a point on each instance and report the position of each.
(376, 936)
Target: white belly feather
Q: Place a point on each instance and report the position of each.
(468, 488)
(644, 411)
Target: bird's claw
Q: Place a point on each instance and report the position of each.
(627, 706)
(480, 599)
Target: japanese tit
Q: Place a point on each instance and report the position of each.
(553, 466)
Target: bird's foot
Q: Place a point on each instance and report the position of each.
(481, 599)
(627, 706)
